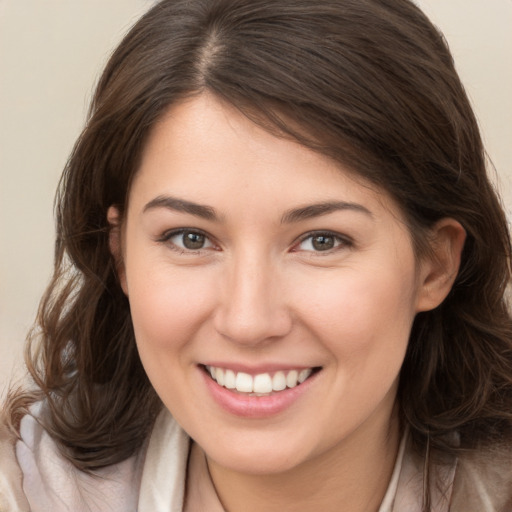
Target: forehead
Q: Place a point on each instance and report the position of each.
(210, 152)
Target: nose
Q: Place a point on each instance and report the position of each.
(252, 309)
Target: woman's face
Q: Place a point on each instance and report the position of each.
(255, 259)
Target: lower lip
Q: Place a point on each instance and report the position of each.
(247, 406)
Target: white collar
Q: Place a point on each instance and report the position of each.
(165, 468)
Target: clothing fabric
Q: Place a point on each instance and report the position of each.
(35, 477)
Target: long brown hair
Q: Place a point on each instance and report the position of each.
(371, 83)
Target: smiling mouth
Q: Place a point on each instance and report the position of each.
(261, 384)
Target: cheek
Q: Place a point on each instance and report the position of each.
(168, 309)
(363, 311)
(168, 305)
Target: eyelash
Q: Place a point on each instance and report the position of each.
(340, 241)
(168, 235)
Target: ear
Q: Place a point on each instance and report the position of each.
(115, 244)
(439, 268)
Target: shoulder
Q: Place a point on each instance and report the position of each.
(473, 480)
(46, 480)
(12, 498)
(483, 480)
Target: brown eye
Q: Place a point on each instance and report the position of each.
(193, 241)
(323, 242)
(187, 240)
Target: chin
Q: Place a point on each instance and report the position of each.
(258, 456)
(258, 463)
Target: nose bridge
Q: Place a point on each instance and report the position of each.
(251, 310)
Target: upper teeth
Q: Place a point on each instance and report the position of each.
(262, 383)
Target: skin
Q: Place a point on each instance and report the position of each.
(260, 293)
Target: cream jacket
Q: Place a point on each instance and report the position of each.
(34, 477)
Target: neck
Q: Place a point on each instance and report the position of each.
(352, 476)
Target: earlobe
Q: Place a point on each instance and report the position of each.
(439, 269)
(115, 245)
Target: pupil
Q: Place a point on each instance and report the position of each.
(193, 240)
(323, 243)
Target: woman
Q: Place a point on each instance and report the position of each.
(279, 279)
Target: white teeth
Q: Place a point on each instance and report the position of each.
(219, 376)
(279, 381)
(291, 378)
(243, 382)
(260, 384)
(229, 379)
(304, 374)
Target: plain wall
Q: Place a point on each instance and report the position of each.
(51, 53)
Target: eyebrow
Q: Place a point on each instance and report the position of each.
(319, 209)
(180, 205)
(290, 216)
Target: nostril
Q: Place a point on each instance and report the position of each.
(252, 324)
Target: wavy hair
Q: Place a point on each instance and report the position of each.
(370, 83)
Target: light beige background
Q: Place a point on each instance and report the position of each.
(51, 52)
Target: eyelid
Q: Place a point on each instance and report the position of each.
(167, 235)
(344, 241)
